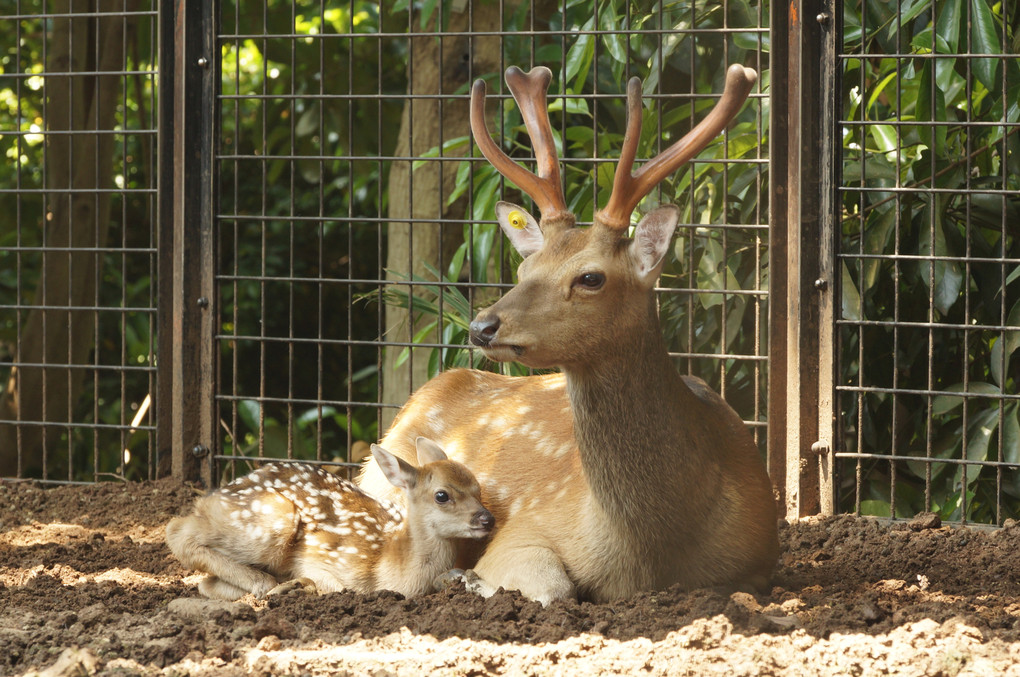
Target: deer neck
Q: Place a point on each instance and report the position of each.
(418, 555)
(626, 408)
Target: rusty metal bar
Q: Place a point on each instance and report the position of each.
(187, 302)
(801, 256)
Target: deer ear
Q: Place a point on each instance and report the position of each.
(521, 227)
(399, 472)
(428, 451)
(651, 240)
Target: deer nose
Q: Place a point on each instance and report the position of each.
(483, 519)
(483, 330)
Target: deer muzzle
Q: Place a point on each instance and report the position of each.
(482, 523)
(482, 331)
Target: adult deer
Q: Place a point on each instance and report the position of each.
(616, 475)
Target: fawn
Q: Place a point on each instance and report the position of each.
(292, 521)
(618, 474)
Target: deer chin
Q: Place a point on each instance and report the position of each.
(503, 352)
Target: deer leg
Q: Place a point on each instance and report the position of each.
(535, 571)
(217, 588)
(302, 585)
(187, 537)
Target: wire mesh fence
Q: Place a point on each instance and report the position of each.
(77, 240)
(928, 252)
(356, 230)
(353, 234)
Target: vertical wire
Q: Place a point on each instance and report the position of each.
(238, 102)
(320, 237)
(350, 228)
(19, 263)
(861, 202)
(967, 334)
(893, 468)
(292, 108)
(264, 225)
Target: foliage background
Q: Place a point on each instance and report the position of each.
(310, 93)
(929, 255)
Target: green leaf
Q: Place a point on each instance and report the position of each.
(615, 42)
(878, 89)
(1011, 433)
(885, 137)
(908, 12)
(943, 404)
(947, 25)
(312, 415)
(931, 107)
(249, 410)
(944, 67)
(485, 198)
(308, 123)
(1006, 345)
(437, 151)
(876, 241)
(875, 508)
(485, 237)
(984, 40)
(427, 8)
(851, 308)
(944, 277)
(579, 57)
(979, 433)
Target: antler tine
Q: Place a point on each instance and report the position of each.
(529, 91)
(631, 138)
(628, 188)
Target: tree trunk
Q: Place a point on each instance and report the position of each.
(53, 333)
(435, 66)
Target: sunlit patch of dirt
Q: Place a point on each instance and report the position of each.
(87, 585)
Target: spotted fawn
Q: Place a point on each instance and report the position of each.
(297, 521)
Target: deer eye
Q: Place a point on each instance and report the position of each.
(591, 280)
(441, 497)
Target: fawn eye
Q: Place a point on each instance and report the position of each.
(591, 281)
(442, 497)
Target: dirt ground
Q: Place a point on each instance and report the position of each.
(87, 586)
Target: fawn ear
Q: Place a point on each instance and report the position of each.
(399, 472)
(428, 451)
(521, 227)
(651, 241)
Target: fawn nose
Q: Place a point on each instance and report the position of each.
(483, 519)
(483, 330)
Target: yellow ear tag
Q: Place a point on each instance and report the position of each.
(517, 220)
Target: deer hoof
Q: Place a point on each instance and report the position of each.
(296, 585)
(472, 582)
(449, 579)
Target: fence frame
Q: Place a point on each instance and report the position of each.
(801, 256)
(189, 66)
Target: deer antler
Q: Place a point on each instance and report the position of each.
(628, 188)
(529, 91)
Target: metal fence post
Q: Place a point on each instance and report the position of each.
(802, 281)
(187, 299)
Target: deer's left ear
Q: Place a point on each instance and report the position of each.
(521, 227)
(651, 241)
(399, 472)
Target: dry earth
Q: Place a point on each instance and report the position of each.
(87, 586)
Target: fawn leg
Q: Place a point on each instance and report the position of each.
(217, 588)
(186, 537)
